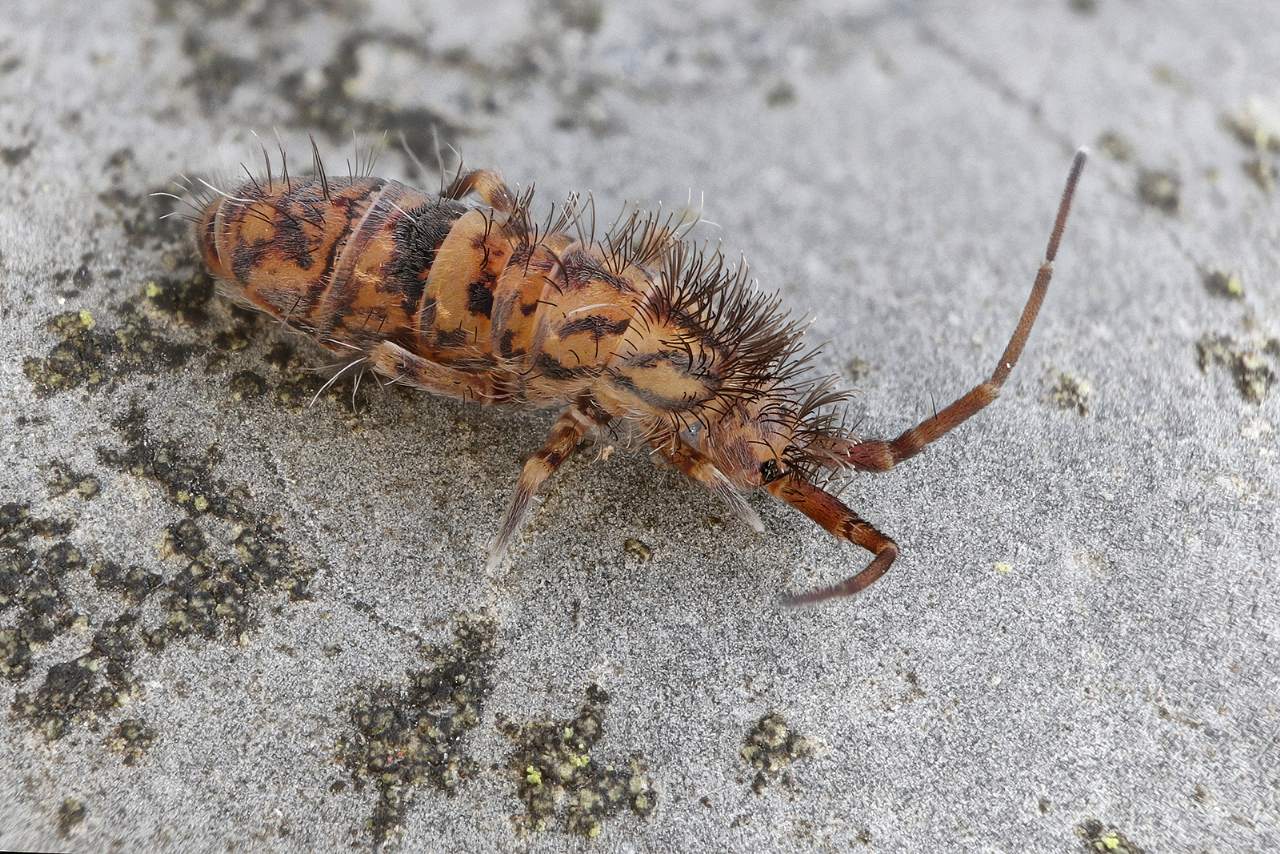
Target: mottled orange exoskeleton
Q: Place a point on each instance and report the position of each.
(638, 328)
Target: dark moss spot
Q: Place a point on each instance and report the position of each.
(1116, 146)
(637, 549)
(184, 298)
(207, 10)
(15, 654)
(556, 775)
(134, 582)
(216, 74)
(1254, 377)
(78, 359)
(67, 687)
(1071, 392)
(62, 479)
(32, 584)
(780, 94)
(17, 525)
(1160, 189)
(858, 369)
(1262, 171)
(584, 15)
(139, 213)
(184, 538)
(71, 814)
(131, 738)
(14, 155)
(208, 597)
(1106, 840)
(331, 105)
(189, 481)
(92, 685)
(280, 356)
(770, 748)
(411, 734)
(1254, 125)
(90, 356)
(246, 385)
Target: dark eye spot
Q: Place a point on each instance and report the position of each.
(769, 471)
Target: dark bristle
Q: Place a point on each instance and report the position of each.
(319, 169)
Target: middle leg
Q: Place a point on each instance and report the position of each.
(570, 429)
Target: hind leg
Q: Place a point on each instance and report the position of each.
(399, 365)
(486, 184)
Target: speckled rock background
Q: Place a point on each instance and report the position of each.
(229, 621)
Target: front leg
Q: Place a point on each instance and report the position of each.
(695, 465)
(566, 435)
(841, 522)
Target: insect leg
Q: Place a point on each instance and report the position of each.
(566, 435)
(842, 523)
(698, 467)
(879, 455)
(486, 184)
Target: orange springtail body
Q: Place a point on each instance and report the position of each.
(462, 293)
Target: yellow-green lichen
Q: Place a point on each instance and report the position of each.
(1256, 124)
(89, 356)
(1096, 837)
(1224, 283)
(1262, 171)
(62, 479)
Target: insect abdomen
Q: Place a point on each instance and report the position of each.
(340, 259)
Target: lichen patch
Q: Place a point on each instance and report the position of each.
(562, 784)
(771, 748)
(409, 734)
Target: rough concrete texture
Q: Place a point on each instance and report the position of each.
(229, 621)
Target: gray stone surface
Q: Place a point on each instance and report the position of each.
(1076, 649)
